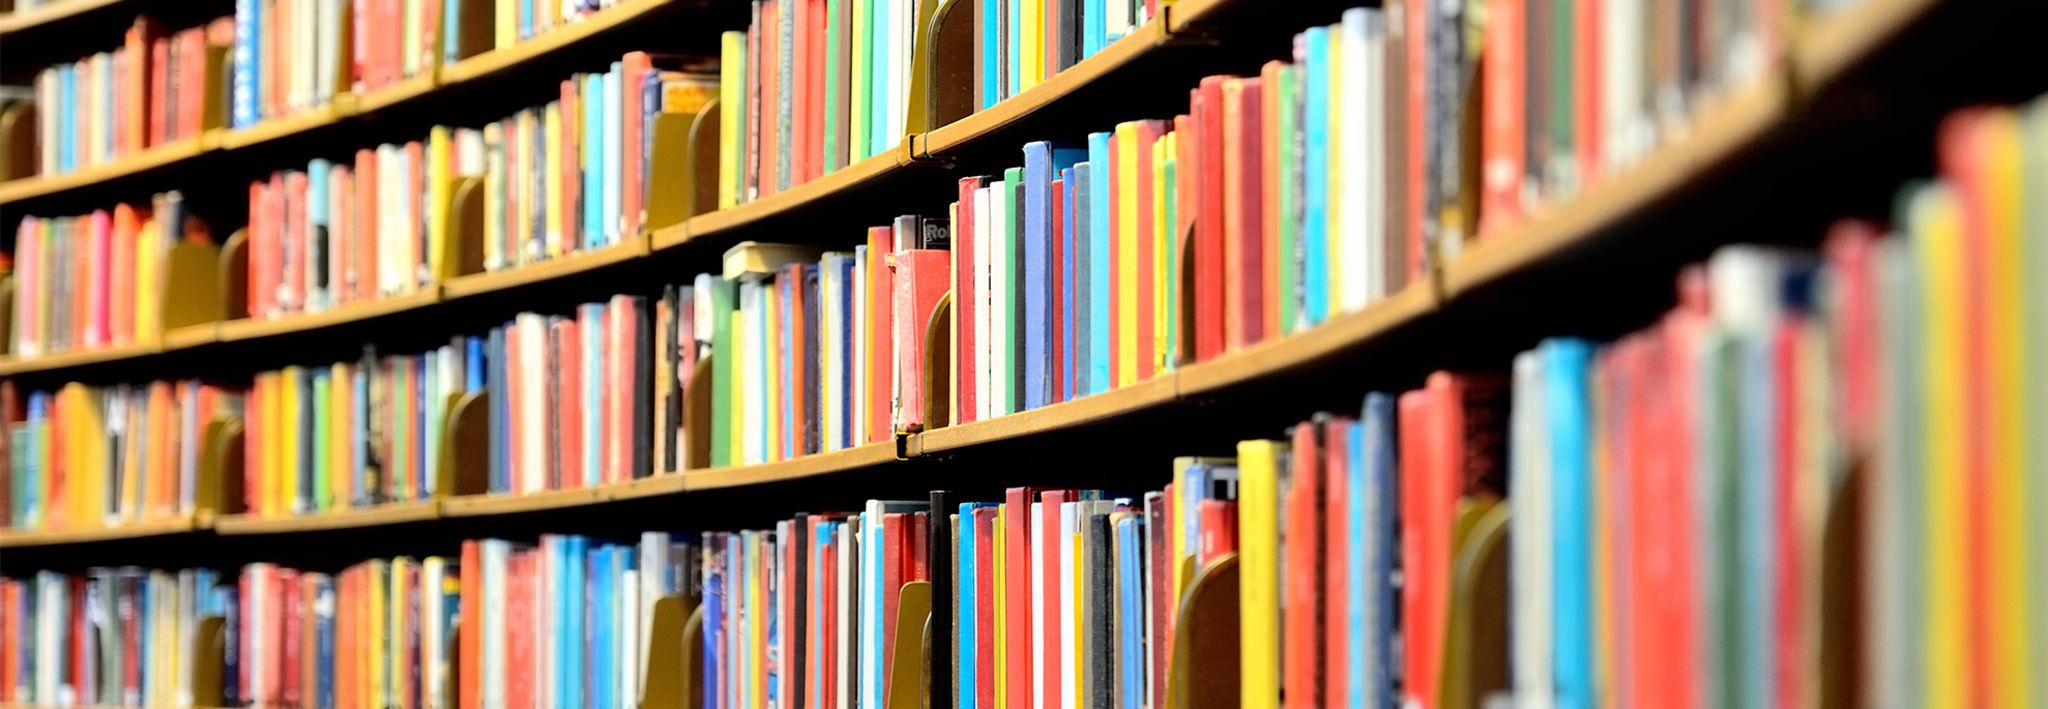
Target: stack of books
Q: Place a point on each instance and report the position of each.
(96, 280)
(150, 91)
(107, 637)
(86, 457)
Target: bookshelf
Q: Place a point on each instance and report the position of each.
(1756, 128)
(19, 21)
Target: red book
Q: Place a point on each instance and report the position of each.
(469, 648)
(799, 90)
(1586, 80)
(1502, 122)
(985, 613)
(1148, 133)
(1050, 26)
(1243, 273)
(1205, 149)
(893, 563)
(571, 168)
(966, 304)
(1964, 145)
(1161, 569)
(1336, 540)
(1790, 573)
(826, 675)
(568, 341)
(634, 69)
(365, 254)
(1059, 274)
(771, 93)
(1046, 566)
(881, 355)
(917, 538)
(921, 277)
(292, 616)
(1301, 610)
(1425, 544)
(1017, 592)
(1219, 527)
(1418, 130)
(161, 106)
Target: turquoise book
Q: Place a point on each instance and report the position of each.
(1315, 189)
(1567, 407)
(1100, 297)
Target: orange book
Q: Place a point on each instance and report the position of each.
(1964, 147)
(1586, 87)
(121, 303)
(800, 98)
(1501, 116)
(1243, 282)
(1301, 618)
(571, 175)
(163, 452)
(881, 355)
(1271, 103)
(469, 651)
(364, 259)
(1148, 133)
(569, 361)
(635, 67)
(139, 104)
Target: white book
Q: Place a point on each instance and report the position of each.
(1000, 320)
(1070, 514)
(1116, 19)
(632, 644)
(187, 624)
(614, 154)
(654, 558)
(433, 650)
(532, 411)
(1532, 578)
(1370, 83)
(896, 74)
(832, 396)
(328, 51)
(494, 554)
(985, 363)
(1623, 103)
(871, 606)
(1038, 619)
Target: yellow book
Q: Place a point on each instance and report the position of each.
(1165, 287)
(1603, 528)
(506, 20)
(1033, 15)
(1333, 232)
(403, 569)
(2004, 181)
(1125, 145)
(440, 190)
(1936, 226)
(289, 414)
(732, 115)
(340, 457)
(552, 123)
(148, 305)
(85, 452)
(379, 655)
(1001, 606)
(271, 442)
(1258, 558)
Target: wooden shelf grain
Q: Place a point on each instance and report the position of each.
(192, 336)
(395, 94)
(953, 136)
(18, 21)
(1143, 395)
(352, 518)
(77, 358)
(1307, 347)
(255, 329)
(485, 505)
(153, 158)
(788, 201)
(340, 109)
(839, 461)
(18, 539)
(1823, 50)
(551, 269)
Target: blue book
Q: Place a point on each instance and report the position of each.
(1066, 315)
(713, 648)
(591, 315)
(500, 404)
(598, 662)
(317, 173)
(1374, 479)
(1094, 30)
(1081, 334)
(1130, 571)
(423, 376)
(845, 282)
(67, 115)
(39, 417)
(1567, 408)
(323, 637)
(246, 76)
(964, 608)
(1037, 282)
(991, 53)
(1100, 297)
(230, 611)
(473, 367)
(526, 18)
(1315, 201)
(1013, 62)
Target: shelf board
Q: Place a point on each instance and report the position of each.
(395, 94)
(254, 329)
(839, 461)
(498, 60)
(1153, 392)
(980, 124)
(191, 336)
(76, 358)
(486, 505)
(1309, 346)
(794, 199)
(1823, 50)
(16, 539)
(1724, 127)
(275, 128)
(17, 21)
(563, 267)
(352, 518)
(153, 158)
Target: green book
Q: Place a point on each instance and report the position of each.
(835, 114)
(722, 360)
(323, 497)
(859, 63)
(1563, 157)
(1290, 198)
(1012, 254)
(1170, 248)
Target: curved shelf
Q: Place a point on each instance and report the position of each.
(13, 22)
(380, 515)
(76, 358)
(1739, 121)
(253, 329)
(342, 109)
(11, 539)
(477, 284)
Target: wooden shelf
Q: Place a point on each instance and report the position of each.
(1722, 129)
(381, 515)
(1309, 346)
(1829, 47)
(563, 267)
(275, 128)
(395, 94)
(191, 336)
(17, 21)
(953, 136)
(839, 461)
(486, 505)
(76, 358)
(254, 329)
(495, 61)
(1153, 392)
(153, 158)
(794, 199)
(16, 539)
